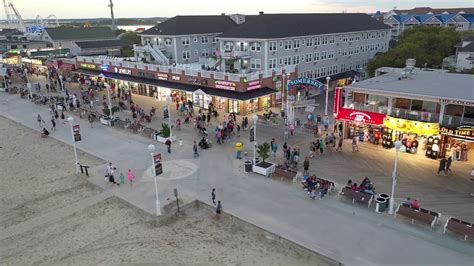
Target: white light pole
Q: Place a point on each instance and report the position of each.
(71, 123)
(255, 119)
(28, 84)
(110, 103)
(61, 82)
(398, 145)
(327, 95)
(168, 101)
(151, 149)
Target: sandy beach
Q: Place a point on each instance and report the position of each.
(49, 215)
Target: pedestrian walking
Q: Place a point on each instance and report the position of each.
(306, 166)
(339, 144)
(219, 207)
(195, 149)
(442, 166)
(53, 123)
(213, 196)
(291, 128)
(168, 145)
(40, 121)
(122, 178)
(239, 146)
(130, 176)
(274, 147)
(109, 174)
(448, 165)
(326, 123)
(354, 144)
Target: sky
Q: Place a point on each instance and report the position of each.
(159, 8)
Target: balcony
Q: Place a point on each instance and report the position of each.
(236, 54)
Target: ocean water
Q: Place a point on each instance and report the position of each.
(133, 27)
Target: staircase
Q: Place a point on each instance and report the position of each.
(156, 53)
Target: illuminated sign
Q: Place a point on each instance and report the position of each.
(417, 127)
(462, 132)
(254, 85)
(88, 66)
(364, 117)
(162, 76)
(104, 67)
(175, 77)
(307, 82)
(225, 85)
(465, 103)
(122, 71)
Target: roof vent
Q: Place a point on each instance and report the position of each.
(260, 13)
(410, 66)
(222, 14)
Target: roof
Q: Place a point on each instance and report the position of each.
(269, 26)
(4, 32)
(252, 94)
(84, 33)
(426, 10)
(468, 17)
(468, 38)
(445, 17)
(468, 48)
(103, 44)
(423, 18)
(186, 25)
(434, 84)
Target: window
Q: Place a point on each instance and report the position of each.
(287, 60)
(205, 53)
(255, 46)
(309, 58)
(195, 39)
(272, 63)
(196, 52)
(288, 44)
(185, 41)
(416, 105)
(228, 46)
(186, 55)
(331, 54)
(343, 67)
(344, 38)
(323, 55)
(204, 39)
(168, 41)
(309, 42)
(281, 44)
(351, 37)
(272, 46)
(316, 57)
(296, 43)
(215, 51)
(317, 41)
(214, 39)
(296, 60)
(324, 40)
(255, 63)
(331, 40)
(280, 61)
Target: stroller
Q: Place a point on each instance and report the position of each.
(205, 143)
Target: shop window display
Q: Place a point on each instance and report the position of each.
(432, 147)
(387, 141)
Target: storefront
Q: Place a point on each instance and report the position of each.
(413, 135)
(457, 142)
(365, 125)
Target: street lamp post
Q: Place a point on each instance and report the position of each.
(71, 123)
(28, 84)
(151, 149)
(255, 119)
(398, 145)
(168, 101)
(110, 103)
(327, 95)
(61, 82)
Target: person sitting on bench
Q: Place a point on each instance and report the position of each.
(44, 132)
(415, 204)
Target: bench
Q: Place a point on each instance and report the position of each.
(281, 172)
(357, 196)
(436, 214)
(416, 215)
(460, 227)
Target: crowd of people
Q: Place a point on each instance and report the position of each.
(365, 186)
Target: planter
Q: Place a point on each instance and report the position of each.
(105, 121)
(163, 139)
(264, 168)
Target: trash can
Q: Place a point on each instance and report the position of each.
(386, 197)
(248, 166)
(380, 204)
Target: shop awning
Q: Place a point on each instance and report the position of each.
(235, 95)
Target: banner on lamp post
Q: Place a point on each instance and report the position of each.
(76, 129)
(158, 165)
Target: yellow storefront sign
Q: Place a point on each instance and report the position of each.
(417, 127)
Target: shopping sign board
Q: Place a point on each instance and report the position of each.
(364, 117)
(158, 165)
(461, 132)
(306, 82)
(76, 132)
(252, 135)
(337, 100)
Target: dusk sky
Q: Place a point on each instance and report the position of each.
(155, 8)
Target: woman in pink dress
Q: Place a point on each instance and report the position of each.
(130, 176)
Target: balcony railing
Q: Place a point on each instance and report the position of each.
(236, 54)
(189, 71)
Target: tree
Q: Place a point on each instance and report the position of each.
(428, 45)
(263, 151)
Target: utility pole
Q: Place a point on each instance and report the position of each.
(111, 5)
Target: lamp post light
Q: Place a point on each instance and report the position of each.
(151, 149)
(28, 84)
(71, 123)
(61, 82)
(398, 145)
(255, 119)
(327, 95)
(168, 101)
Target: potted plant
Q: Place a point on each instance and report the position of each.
(106, 120)
(164, 134)
(263, 167)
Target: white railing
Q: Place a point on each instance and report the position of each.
(186, 68)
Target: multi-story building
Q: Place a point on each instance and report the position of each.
(465, 54)
(400, 20)
(415, 106)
